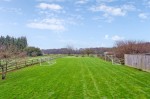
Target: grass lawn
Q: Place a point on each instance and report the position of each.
(76, 78)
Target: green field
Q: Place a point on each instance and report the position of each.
(76, 78)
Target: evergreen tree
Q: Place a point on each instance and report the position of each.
(20, 43)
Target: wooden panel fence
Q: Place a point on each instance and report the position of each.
(138, 61)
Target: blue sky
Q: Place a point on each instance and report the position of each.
(80, 23)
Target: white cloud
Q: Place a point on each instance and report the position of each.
(128, 7)
(108, 18)
(11, 10)
(106, 36)
(113, 11)
(108, 10)
(114, 38)
(51, 0)
(147, 3)
(143, 16)
(81, 1)
(49, 6)
(48, 24)
(104, 17)
(117, 38)
(99, 1)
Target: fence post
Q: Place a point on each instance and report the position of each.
(6, 65)
(25, 63)
(32, 62)
(37, 61)
(16, 66)
(3, 72)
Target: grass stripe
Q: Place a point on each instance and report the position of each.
(76, 78)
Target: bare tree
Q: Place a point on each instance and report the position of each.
(8, 54)
(88, 51)
(131, 47)
(5, 54)
(69, 49)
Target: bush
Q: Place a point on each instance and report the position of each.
(131, 47)
(32, 51)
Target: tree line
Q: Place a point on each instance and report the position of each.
(71, 50)
(15, 49)
(11, 47)
(8, 41)
(130, 47)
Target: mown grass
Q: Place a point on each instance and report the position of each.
(76, 78)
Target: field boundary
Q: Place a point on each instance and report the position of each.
(15, 65)
(138, 61)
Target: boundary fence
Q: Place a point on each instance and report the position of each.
(138, 61)
(14, 65)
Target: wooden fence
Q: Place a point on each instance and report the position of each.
(138, 61)
(14, 65)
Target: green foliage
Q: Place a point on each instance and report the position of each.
(33, 51)
(76, 78)
(20, 43)
(88, 51)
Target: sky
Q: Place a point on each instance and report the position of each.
(80, 23)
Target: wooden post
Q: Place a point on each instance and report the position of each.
(3, 71)
(40, 61)
(32, 62)
(25, 63)
(37, 61)
(6, 65)
(16, 66)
